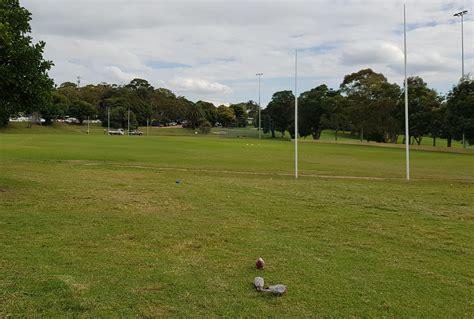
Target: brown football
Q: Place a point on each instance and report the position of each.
(260, 263)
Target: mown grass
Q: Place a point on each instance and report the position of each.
(327, 136)
(96, 226)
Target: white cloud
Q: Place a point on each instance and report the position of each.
(198, 86)
(372, 53)
(217, 103)
(118, 74)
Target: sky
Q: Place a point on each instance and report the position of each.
(211, 50)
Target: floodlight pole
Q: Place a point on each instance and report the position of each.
(88, 122)
(407, 133)
(108, 119)
(462, 14)
(296, 114)
(259, 108)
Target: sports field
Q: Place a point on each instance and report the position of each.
(97, 226)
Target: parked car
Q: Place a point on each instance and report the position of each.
(135, 132)
(71, 120)
(116, 132)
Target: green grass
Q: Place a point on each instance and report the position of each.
(95, 226)
(327, 136)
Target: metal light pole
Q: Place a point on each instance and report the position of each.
(407, 133)
(108, 119)
(259, 107)
(462, 14)
(296, 114)
(88, 122)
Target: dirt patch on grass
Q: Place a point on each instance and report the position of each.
(150, 288)
(156, 311)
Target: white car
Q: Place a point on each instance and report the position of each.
(116, 132)
(71, 120)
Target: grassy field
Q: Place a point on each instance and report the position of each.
(96, 226)
(327, 136)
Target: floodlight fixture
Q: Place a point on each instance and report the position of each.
(462, 14)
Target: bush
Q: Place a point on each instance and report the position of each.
(205, 127)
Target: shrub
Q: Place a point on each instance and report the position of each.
(205, 127)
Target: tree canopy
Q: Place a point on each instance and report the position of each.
(24, 82)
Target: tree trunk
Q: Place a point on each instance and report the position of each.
(361, 134)
(449, 141)
(434, 141)
(418, 140)
(335, 136)
(316, 134)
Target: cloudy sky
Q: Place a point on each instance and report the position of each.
(211, 50)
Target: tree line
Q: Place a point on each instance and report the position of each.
(365, 104)
(146, 104)
(370, 107)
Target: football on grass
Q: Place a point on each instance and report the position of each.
(260, 263)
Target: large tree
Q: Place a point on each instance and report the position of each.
(373, 104)
(209, 111)
(140, 95)
(194, 115)
(57, 109)
(438, 122)
(24, 82)
(421, 101)
(240, 111)
(281, 111)
(82, 110)
(166, 107)
(225, 116)
(119, 118)
(108, 105)
(460, 111)
(311, 108)
(335, 115)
